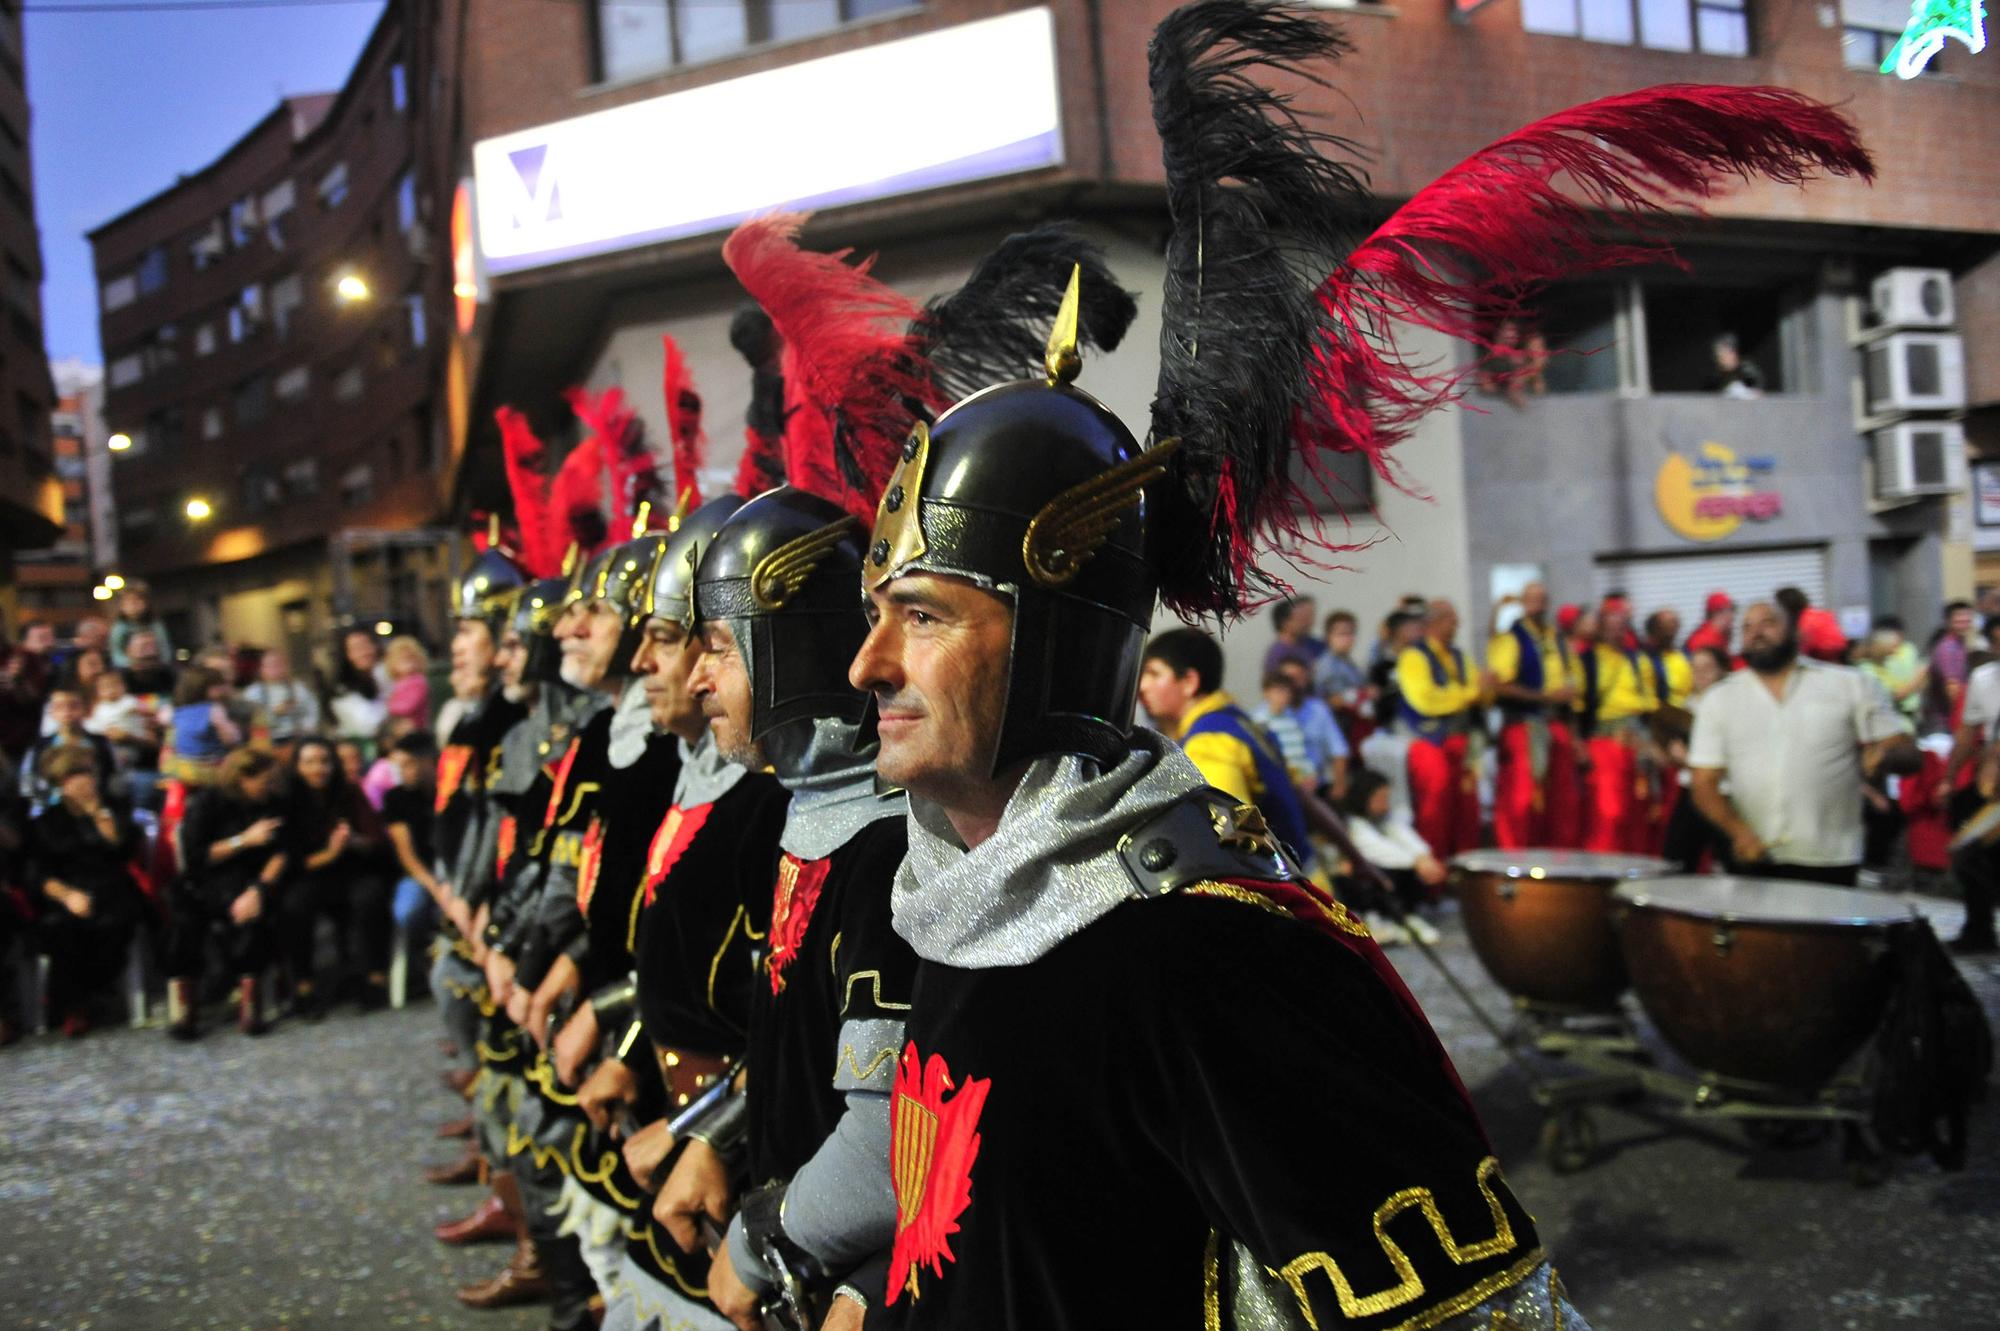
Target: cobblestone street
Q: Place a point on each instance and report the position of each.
(274, 1184)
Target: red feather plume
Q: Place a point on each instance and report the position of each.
(853, 382)
(1472, 248)
(633, 469)
(576, 499)
(540, 551)
(763, 464)
(683, 426)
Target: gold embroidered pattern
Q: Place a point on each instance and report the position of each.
(606, 1163)
(875, 986)
(1409, 1285)
(576, 798)
(518, 1141)
(543, 1074)
(1211, 1283)
(665, 1261)
(1332, 911)
(862, 1074)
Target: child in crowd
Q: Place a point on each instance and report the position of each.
(202, 733)
(1392, 845)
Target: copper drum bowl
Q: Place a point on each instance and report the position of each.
(1540, 921)
(1757, 979)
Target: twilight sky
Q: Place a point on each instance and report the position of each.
(123, 103)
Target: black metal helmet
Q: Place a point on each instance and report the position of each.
(486, 591)
(622, 577)
(670, 591)
(1036, 490)
(784, 566)
(537, 606)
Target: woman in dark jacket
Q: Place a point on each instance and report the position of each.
(336, 847)
(81, 853)
(233, 868)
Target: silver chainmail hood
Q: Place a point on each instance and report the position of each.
(706, 776)
(1049, 870)
(631, 724)
(833, 787)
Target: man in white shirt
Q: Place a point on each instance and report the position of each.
(1793, 739)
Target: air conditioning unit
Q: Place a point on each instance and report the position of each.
(1913, 298)
(1919, 458)
(1915, 372)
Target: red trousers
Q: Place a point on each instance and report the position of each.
(1530, 813)
(1444, 795)
(1618, 814)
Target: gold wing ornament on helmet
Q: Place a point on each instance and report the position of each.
(1072, 527)
(779, 575)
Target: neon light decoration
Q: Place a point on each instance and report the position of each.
(1931, 21)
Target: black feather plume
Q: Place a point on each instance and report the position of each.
(995, 328)
(756, 340)
(1263, 207)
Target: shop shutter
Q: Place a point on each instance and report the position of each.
(1683, 582)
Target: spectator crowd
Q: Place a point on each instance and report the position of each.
(1764, 742)
(199, 815)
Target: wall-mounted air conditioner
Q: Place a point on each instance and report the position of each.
(1913, 298)
(1919, 458)
(1915, 372)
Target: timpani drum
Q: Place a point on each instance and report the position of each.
(1540, 921)
(1757, 979)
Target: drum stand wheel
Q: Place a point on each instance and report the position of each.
(1569, 1139)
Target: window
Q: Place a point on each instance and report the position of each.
(399, 88)
(211, 423)
(333, 186)
(357, 486)
(1869, 30)
(302, 478)
(204, 340)
(137, 525)
(406, 203)
(261, 490)
(292, 384)
(347, 384)
(640, 37)
(276, 203)
(152, 270)
(167, 428)
(1714, 27)
(288, 296)
(1568, 344)
(207, 245)
(251, 400)
(247, 314)
(128, 370)
(163, 352)
(242, 222)
(1685, 321)
(120, 292)
(413, 305)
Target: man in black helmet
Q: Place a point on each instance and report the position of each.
(1124, 979)
(778, 628)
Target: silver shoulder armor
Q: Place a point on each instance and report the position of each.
(1205, 836)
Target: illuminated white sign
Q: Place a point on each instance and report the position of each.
(941, 108)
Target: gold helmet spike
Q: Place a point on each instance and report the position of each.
(683, 505)
(1062, 359)
(493, 531)
(642, 519)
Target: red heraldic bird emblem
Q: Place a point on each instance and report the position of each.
(451, 768)
(799, 882)
(589, 862)
(670, 840)
(932, 1144)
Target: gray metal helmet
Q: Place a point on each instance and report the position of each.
(670, 591)
(487, 590)
(621, 577)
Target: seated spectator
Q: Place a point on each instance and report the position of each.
(147, 675)
(409, 814)
(233, 868)
(409, 697)
(83, 671)
(359, 704)
(81, 854)
(1390, 843)
(385, 773)
(1327, 749)
(354, 766)
(1292, 620)
(66, 709)
(336, 848)
(1340, 679)
(1897, 665)
(284, 709)
(1280, 719)
(202, 732)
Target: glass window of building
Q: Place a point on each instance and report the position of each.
(288, 296)
(333, 186)
(251, 400)
(1687, 320)
(293, 384)
(1713, 27)
(152, 270)
(211, 423)
(204, 339)
(302, 478)
(242, 222)
(1869, 30)
(406, 203)
(413, 306)
(128, 370)
(167, 428)
(277, 203)
(640, 37)
(399, 87)
(357, 486)
(347, 384)
(207, 246)
(120, 292)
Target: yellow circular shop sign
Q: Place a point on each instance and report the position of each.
(1709, 496)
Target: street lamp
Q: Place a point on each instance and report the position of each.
(100, 592)
(114, 582)
(198, 509)
(119, 442)
(352, 288)
(383, 628)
